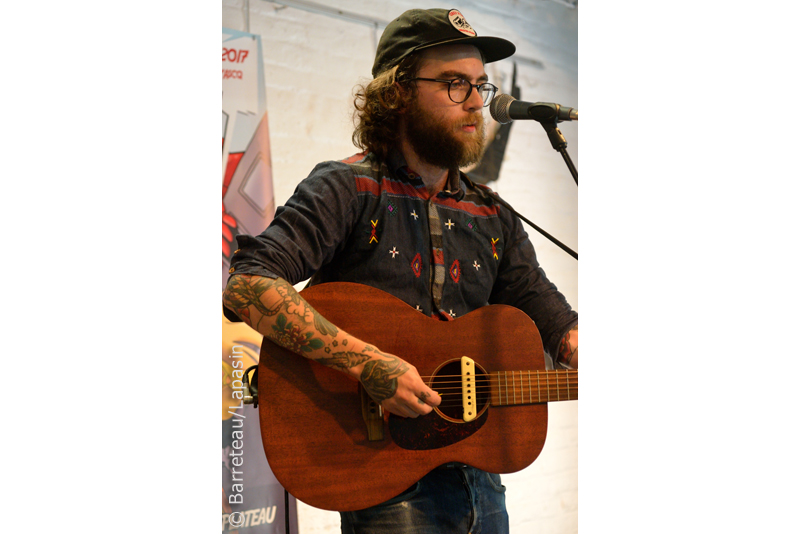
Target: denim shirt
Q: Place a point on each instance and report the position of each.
(372, 222)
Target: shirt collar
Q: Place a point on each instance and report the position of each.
(397, 164)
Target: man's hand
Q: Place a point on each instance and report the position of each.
(568, 351)
(397, 386)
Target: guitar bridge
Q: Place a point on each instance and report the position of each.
(468, 395)
(372, 412)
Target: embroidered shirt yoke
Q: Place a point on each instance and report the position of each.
(371, 222)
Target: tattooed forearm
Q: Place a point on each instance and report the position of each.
(290, 297)
(296, 305)
(282, 315)
(245, 291)
(380, 377)
(293, 336)
(325, 327)
(268, 297)
(344, 360)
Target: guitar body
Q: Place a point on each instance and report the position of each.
(315, 437)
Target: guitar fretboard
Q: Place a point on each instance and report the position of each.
(530, 387)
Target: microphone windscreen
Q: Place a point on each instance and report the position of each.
(499, 108)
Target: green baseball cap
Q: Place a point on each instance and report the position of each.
(418, 29)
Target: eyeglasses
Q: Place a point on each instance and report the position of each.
(460, 89)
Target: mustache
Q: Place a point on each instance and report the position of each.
(476, 119)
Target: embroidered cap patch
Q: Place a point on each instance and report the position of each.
(460, 23)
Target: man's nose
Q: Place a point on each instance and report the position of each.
(475, 100)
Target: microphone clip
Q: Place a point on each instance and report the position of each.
(549, 112)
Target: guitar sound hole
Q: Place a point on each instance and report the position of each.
(447, 382)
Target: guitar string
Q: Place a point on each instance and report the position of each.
(555, 372)
(567, 384)
(450, 403)
(516, 375)
(523, 381)
(520, 391)
(517, 395)
(564, 389)
(440, 388)
(457, 389)
(571, 373)
(446, 405)
(516, 381)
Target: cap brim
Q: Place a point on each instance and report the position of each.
(492, 48)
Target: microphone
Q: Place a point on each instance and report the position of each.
(505, 108)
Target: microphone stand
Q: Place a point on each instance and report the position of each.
(559, 144)
(547, 115)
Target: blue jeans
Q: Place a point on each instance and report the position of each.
(452, 499)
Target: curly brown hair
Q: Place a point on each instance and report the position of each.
(378, 106)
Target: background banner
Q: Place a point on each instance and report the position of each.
(252, 500)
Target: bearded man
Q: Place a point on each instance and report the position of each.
(402, 217)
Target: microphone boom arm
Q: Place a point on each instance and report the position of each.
(560, 144)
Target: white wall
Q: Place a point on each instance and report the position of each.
(311, 63)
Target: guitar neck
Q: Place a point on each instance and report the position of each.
(531, 387)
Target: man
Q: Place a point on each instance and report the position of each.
(402, 217)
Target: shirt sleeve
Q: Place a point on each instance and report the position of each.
(307, 232)
(522, 283)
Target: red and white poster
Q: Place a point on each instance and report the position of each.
(252, 500)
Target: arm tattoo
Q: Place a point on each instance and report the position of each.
(297, 306)
(344, 360)
(243, 292)
(324, 326)
(293, 337)
(380, 377)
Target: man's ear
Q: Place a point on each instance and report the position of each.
(405, 96)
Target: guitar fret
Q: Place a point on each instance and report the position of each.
(530, 391)
(558, 392)
(499, 389)
(538, 386)
(563, 387)
(547, 381)
(513, 387)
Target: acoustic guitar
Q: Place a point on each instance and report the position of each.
(330, 446)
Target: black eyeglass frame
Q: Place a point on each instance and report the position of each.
(477, 86)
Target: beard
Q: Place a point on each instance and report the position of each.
(442, 143)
